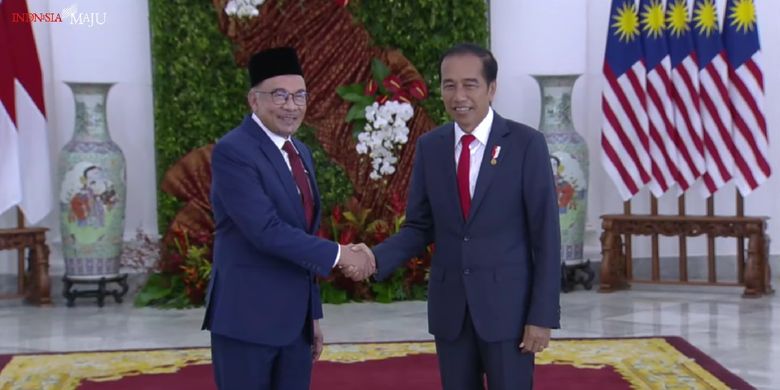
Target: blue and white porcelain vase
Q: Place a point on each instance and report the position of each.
(92, 189)
(569, 160)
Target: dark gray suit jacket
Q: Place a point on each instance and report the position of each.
(504, 261)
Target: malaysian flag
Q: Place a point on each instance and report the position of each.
(746, 93)
(624, 133)
(685, 95)
(663, 150)
(719, 150)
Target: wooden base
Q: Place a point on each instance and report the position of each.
(100, 292)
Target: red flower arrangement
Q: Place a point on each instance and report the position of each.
(353, 224)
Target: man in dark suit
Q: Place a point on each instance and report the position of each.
(482, 190)
(263, 303)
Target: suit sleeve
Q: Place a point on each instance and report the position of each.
(541, 206)
(242, 196)
(417, 230)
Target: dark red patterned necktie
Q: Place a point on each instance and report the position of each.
(464, 166)
(302, 181)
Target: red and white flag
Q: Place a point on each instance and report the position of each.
(663, 148)
(719, 149)
(33, 139)
(625, 143)
(746, 91)
(10, 181)
(685, 95)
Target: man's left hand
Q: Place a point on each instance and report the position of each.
(319, 339)
(535, 339)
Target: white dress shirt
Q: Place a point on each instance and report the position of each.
(279, 141)
(476, 149)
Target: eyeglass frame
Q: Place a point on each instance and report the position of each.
(287, 95)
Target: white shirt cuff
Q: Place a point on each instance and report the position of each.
(338, 256)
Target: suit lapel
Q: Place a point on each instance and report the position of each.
(450, 185)
(274, 156)
(487, 171)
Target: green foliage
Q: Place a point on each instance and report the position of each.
(199, 92)
(163, 291)
(419, 292)
(197, 259)
(183, 282)
(379, 71)
(333, 183)
(391, 289)
(423, 30)
(397, 288)
(332, 294)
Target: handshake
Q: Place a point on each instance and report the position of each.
(357, 261)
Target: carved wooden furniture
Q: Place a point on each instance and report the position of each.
(33, 282)
(616, 264)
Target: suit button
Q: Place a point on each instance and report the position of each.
(466, 239)
(466, 271)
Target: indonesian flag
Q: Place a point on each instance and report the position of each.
(10, 181)
(33, 145)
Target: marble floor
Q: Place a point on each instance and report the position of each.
(742, 334)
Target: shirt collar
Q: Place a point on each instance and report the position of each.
(481, 132)
(275, 138)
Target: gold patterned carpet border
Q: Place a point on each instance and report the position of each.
(648, 363)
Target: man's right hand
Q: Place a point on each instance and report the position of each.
(356, 264)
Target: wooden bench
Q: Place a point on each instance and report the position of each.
(33, 281)
(616, 273)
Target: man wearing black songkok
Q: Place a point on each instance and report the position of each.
(263, 303)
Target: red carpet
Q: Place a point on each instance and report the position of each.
(412, 372)
(417, 372)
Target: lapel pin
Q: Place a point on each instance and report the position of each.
(496, 152)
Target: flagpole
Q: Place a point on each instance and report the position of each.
(627, 238)
(683, 242)
(20, 253)
(740, 241)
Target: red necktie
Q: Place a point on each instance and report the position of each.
(464, 165)
(302, 181)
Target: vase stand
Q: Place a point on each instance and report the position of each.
(100, 292)
(574, 274)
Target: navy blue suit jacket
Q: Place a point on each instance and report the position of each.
(262, 287)
(504, 260)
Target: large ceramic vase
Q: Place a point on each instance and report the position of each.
(569, 160)
(92, 190)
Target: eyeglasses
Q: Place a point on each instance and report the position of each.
(280, 96)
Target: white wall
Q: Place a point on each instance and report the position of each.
(527, 37)
(116, 51)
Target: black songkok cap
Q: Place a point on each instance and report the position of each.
(273, 62)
